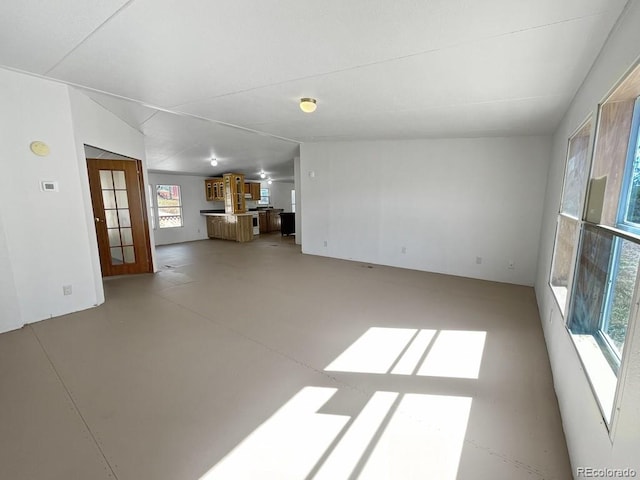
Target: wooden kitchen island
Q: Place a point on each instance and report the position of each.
(230, 226)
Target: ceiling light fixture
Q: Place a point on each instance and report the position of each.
(308, 105)
(269, 181)
(263, 175)
(214, 162)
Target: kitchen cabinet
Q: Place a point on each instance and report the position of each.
(214, 189)
(270, 220)
(252, 191)
(255, 191)
(230, 227)
(234, 193)
(262, 219)
(274, 220)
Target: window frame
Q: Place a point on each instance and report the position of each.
(607, 392)
(625, 191)
(564, 303)
(180, 206)
(611, 352)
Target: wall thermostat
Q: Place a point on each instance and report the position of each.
(49, 186)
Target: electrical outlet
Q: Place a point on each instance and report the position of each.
(67, 290)
(478, 260)
(404, 249)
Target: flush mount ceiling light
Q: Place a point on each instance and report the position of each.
(269, 181)
(263, 175)
(308, 105)
(214, 162)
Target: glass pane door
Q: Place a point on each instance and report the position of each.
(117, 216)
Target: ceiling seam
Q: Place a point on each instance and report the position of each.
(387, 60)
(83, 89)
(111, 17)
(149, 118)
(137, 129)
(167, 110)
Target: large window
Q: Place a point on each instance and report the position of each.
(169, 202)
(604, 290)
(567, 230)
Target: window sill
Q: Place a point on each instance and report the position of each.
(603, 380)
(560, 294)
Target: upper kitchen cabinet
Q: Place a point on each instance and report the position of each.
(255, 191)
(214, 189)
(234, 193)
(252, 191)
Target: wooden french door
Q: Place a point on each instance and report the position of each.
(117, 196)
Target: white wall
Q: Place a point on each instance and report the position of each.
(47, 240)
(299, 198)
(45, 233)
(445, 201)
(10, 318)
(98, 127)
(280, 193)
(193, 200)
(587, 437)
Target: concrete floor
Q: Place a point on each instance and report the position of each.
(252, 361)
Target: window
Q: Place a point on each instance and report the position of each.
(601, 307)
(604, 290)
(169, 202)
(568, 227)
(264, 197)
(293, 201)
(629, 211)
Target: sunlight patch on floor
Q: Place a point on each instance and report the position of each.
(444, 353)
(423, 439)
(455, 354)
(393, 436)
(354, 443)
(409, 361)
(287, 445)
(374, 352)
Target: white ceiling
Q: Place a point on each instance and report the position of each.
(223, 78)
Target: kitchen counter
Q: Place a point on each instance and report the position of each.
(229, 226)
(249, 214)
